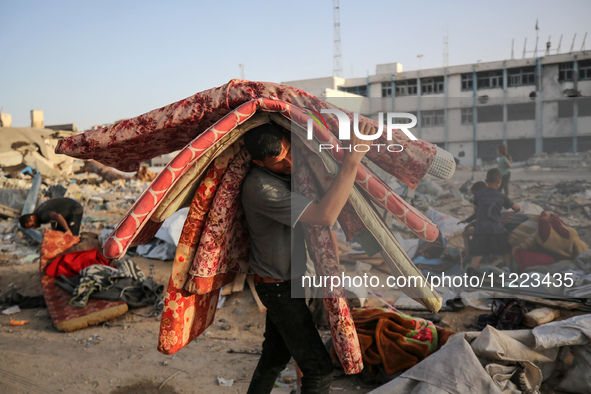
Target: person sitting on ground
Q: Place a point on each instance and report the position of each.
(469, 229)
(63, 213)
(490, 237)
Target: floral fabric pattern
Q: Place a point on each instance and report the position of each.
(322, 250)
(64, 316)
(172, 127)
(187, 315)
(207, 125)
(212, 254)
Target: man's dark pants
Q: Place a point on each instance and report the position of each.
(289, 332)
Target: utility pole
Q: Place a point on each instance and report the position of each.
(446, 49)
(337, 69)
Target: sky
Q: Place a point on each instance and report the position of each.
(95, 62)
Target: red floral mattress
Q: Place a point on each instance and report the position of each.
(209, 126)
(172, 127)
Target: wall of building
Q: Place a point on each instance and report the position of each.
(503, 112)
(317, 86)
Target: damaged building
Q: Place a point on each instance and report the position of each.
(34, 146)
(535, 105)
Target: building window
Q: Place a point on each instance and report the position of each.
(406, 88)
(386, 89)
(359, 90)
(467, 116)
(521, 76)
(565, 109)
(466, 81)
(584, 106)
(489, 79)
(565, 72)
(490, 113)
(432, 85)
(585, 69)
(432, 118)
(523, 111)
(404, 120)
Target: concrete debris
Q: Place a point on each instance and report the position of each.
(561, 160)
(34, 147)
(145, 175)
(107, 174)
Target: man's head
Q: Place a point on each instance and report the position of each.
(478, 186)
(269, 148)
(29, 221)
(494, 178)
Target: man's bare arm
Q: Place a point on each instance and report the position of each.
(327, 210)
(60, 219)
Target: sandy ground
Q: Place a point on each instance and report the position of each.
(120, 356)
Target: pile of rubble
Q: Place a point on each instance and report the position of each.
(561, 160)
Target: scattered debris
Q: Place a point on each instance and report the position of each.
(90, 341)
(225, 382)
(540, 316)
(12, 310)
(169, 378)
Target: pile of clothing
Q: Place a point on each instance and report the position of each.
(83, 271)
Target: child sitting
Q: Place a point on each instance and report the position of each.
(489, 236)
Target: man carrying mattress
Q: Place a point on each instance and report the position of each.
(278, 254)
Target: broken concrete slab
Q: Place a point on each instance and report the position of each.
(9, 212)
(108, 174)
(13, 198)
(41, 164)
(28, 146)
(11, 158)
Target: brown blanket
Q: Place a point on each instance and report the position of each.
(395, 340)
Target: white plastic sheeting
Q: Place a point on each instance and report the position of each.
(507, 362)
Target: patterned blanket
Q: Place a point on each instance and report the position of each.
(209, 125)
(395, 340)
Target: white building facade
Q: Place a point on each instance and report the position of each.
(533, 105)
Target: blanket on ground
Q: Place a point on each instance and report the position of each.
(64, 316)
(395, 340)
(70, 264)
(559, 239)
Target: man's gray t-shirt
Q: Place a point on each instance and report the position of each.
(272, 213)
